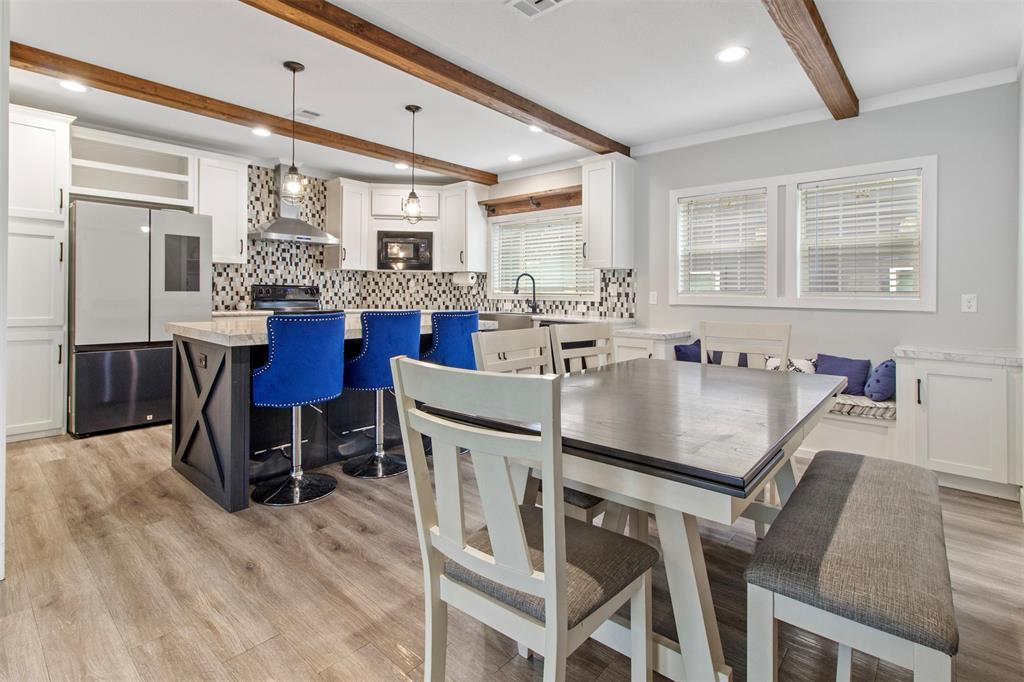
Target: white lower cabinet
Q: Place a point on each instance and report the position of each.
(960, 417)
(630, 343)
(35, 381)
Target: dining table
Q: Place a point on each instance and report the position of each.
(681, 442)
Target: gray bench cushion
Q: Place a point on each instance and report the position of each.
(862, 538)
(600, 564)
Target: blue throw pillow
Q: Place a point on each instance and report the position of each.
(882, 383)
(855, 371)
(688, 352)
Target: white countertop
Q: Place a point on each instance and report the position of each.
(571, 318)
(654, 333)
(1002, 357)
(251, 329)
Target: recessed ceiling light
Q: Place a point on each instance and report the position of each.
(732, 54)
(536, 129)
(73, 86)
(515, 158)
(261, 132)
(401, 165)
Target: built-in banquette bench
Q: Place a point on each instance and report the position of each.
(857, 555)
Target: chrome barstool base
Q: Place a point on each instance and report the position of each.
(373, 465)
(293, 491)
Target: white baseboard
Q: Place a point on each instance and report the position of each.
(34, 435)
(1005, 491)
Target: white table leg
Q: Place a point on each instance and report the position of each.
(615, 516)
(699, 640)
(844, 663)
(785, 481)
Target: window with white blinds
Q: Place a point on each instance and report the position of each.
(861, 237)
(722, 242)
(549, 248)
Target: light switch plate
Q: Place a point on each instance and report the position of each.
(968, 303)
(652, 298)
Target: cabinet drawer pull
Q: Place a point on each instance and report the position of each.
(584, 250)
(461, 253)
(918, 391)
(61, 258)
(241, 246)
(61, 207)
(60, 354)
(344, 254)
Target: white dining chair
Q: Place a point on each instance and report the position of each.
(546, 581)
(588, 357)
(528, 351)
(733, 338)
(517, 351)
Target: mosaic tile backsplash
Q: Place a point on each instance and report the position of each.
(289, 263)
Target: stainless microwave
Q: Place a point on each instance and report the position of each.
(405, 251)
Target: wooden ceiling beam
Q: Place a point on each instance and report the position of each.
(345, 28)
(101, 78)
(802, 27)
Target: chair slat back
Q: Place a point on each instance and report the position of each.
(440, 512)
(733, 338)
(515, 351)
(578, 359)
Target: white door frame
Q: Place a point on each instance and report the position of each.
(5, 63)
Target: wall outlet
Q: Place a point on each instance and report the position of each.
(652, 298)
(968, 303)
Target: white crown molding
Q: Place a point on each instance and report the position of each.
(894, 99)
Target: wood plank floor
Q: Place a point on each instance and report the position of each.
(118, 569)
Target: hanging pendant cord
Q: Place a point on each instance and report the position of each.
(414, 151)
(293, 118)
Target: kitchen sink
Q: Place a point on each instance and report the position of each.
(509, 320)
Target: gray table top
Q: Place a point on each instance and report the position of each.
(718, 427)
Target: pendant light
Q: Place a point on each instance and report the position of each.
(295, 188)
(411, 209)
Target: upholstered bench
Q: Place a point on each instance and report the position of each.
(857, 555)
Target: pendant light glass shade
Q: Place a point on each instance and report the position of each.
(411, 208)
(295, 188)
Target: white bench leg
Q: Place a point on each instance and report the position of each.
(931, 665)
(523, 651)
(844, 666)
(762, 635)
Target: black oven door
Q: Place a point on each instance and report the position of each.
(405, 250)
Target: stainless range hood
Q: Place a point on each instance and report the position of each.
(287, 227)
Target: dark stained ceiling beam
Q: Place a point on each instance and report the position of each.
(101, 78)
(345, 28)
(802, 27)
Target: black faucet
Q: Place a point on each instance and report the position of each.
(515, 292)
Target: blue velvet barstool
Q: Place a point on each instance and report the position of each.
(386, 333)
(306, 366)
(453, 338)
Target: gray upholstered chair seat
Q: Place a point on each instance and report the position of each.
(600, 564)
(862, 538)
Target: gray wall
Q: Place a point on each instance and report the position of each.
(975, 137)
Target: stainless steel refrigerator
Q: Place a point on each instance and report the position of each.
(133, 269)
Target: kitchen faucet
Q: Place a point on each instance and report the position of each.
(515, 292)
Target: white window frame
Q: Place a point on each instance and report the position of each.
(525, 289)
(926, 301)
(771, 187)
(786, 272)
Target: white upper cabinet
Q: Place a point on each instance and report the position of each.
(348, 219)
(388, 201)
(463, 238)
(608, 211)
(39, 164)
(223, 189)
(131, 169)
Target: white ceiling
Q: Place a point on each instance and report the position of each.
(638, 71)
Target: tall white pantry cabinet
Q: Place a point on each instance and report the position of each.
(37, 351)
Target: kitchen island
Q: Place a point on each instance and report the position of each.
(222, 443)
